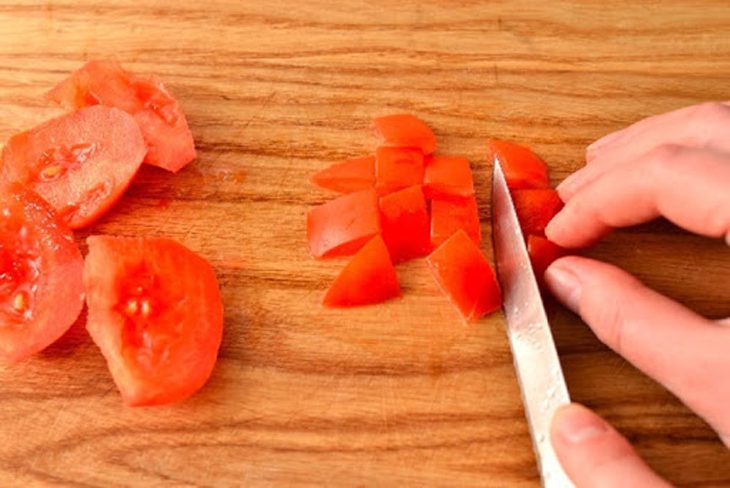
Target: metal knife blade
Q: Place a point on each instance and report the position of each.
(533, 350)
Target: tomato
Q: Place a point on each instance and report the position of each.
(397, 168)
(80, 163)
(347, 176)
(406, 225)
(368, 278)
(522, 167)
(342, 226)
(41, 290)
(448, 176)
(542, 253)
(535, 209)
(405, 130)
(155, 312)
(465, 275)
(158, 113)
(450, 215)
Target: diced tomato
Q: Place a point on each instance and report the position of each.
(522, 167)
(347, 176)
(451, 215)
(155, 312)
(448, 176)
(81, 163)
(465, 275)
(406, 226)
(41, 288)
(158, 113)
(397, 168)
(535, 209)
(542, 253)
(405, 130)
(342, 226)
(368, 278)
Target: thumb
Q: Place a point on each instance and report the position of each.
(594, 454)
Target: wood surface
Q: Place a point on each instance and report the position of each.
(396, 395)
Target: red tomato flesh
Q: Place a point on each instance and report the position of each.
(155, 312)
(367, 279)
(41, 289)
(542, 253)
(448, 176)
(535, 209)
(522, 167)
(397, 168)
(451, 215)
(465, 275)
(347, 176)
(406, 225)
(405, 130)
(342, 226)
(81, 163)
(158, 113)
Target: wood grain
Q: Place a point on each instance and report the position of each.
(400, 394)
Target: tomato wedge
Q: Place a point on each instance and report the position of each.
(522, 167)
(542, 253)
(367, 279)
(80, 163)
(158, 113)
(448, 176)
(451, 215)
(342, 226)
(405, 130)
(535, 209)
(155, 312)
(41, 290)
(406, 226)
(465, 275)
(347, 176)
(397, 168)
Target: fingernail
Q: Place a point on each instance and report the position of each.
(564, 284)
(575, 424)
(567, 186)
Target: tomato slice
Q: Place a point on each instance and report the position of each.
(347, 176)
(158, 113)
(542, 253)
(368, 278)
(465, 275)
(155, 312)
(522, 167)
(41, 290)
(451, 215)
(406, 225)
(397, 168)
(80, 163)
(535, 209)
(342, 226)
(448, 176)
(405, 130)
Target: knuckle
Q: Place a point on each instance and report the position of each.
(662, 158)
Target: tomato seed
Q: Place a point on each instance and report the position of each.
(20, 302)
(51, 172)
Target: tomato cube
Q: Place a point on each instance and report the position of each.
(347, 176)
(450, 215)
(406, 225)
(522, 167)
(542, 253)
(397, 168)
(405, 130)
(535, 209)
(448, 176)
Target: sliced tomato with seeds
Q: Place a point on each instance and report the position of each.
(535, 209)
(448, 176)
(405, 130)
(397, 168)
(451, 215)
(347, 176)
(406, 225)
(81, 163)
(155, 312)
(41, 289)
(522, 167)
(542, 253)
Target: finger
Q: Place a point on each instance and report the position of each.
(687, 186)
(686, 353)
(594, 454)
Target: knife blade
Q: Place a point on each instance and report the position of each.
(533, 350)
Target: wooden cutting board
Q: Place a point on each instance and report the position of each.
(393, 395)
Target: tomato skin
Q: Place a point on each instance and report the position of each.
(451, 215)
(41, 289)
(542, 254)
(522, 167)
(156, 314)
(406, 225)
(367, 279)
(405, 130)
(347, 176)
(535, 208)
(448, 176)
(465, 275)
(397, 168)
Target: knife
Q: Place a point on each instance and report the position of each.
(533, 350)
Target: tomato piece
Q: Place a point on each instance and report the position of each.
(81, 163)
(155, 312)
(41, 290)
(347, 176)
(542, 253)
(158, 113)
(342, 226)
(522, 167)
(367, 279)
(406, 225)
(448, 176)
(535, 209)
(451, 215)
(405, 130)
(397, 168)
(465, 275)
